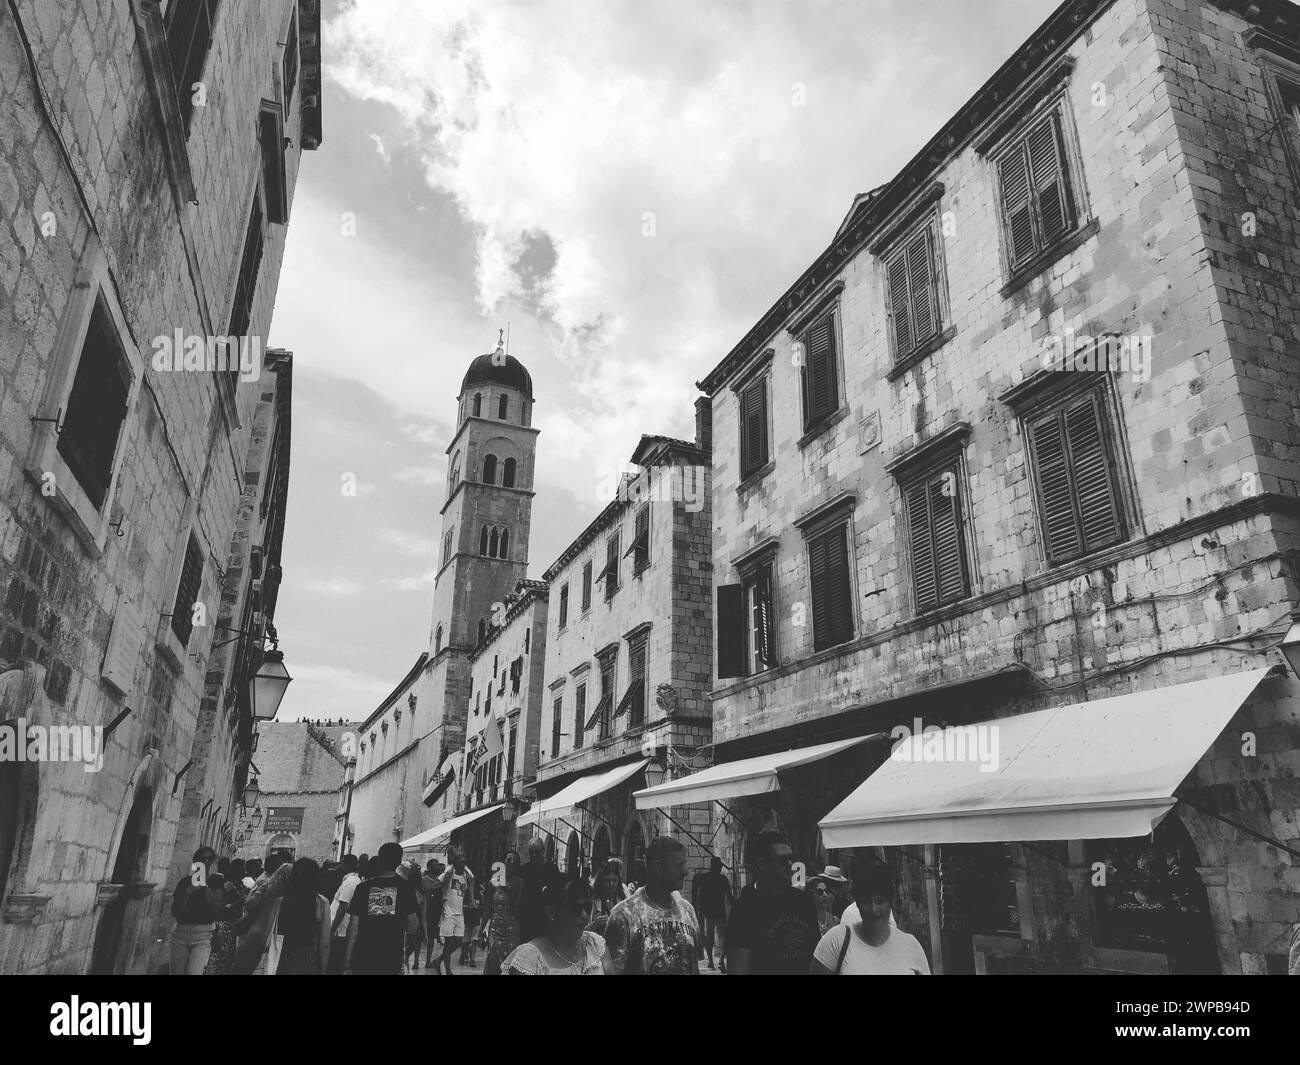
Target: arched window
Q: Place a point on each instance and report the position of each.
(478, 404)
(505, 544)
(508, 473)
(494, 543)
(446, 547)
(437, 640)
(490, 469)
(483, 541)
(482, 629)
(502, 407)
(454, 479)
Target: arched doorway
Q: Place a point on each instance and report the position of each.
(635, 854)
(550, 850)
(282, 843)
(1154, 899)
(600, 848)
(573, 855)
(128, 870)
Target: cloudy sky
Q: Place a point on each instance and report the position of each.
(628, 183)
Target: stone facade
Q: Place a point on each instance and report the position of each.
(1187, 210)
(121, 227)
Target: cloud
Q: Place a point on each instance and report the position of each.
(338, 586)
(383, 151)
(427, 579)
(418, 475)
(409, 543)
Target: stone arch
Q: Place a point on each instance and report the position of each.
(286, 841)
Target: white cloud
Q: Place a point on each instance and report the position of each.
(418, 475)
(427, 579)
(337, 586)
(381, 149)
(410, 544)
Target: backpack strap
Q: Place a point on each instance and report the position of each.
(844, 949)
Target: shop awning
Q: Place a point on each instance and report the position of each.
(582, 789)
(1095, 770)
(446, 828)
(748, 776)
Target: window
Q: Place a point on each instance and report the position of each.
(482, 629)
(446, 546)
(494, 542)
(496, 666)
(753, 427)
(275, 180)
(760, 619)
(564, 605)
(934, 526)
(601, 715)
(556, 709)
(1038, 205)
(272, 471)
(503, 405)
(291, 59)
(508, 472)
(914, 301)
(483, 541)
(831, 586)
(610, 573)
(1075, 478)
(437, 640)
(510, 751)
(579, 715)
(634, 700)
(187, 591)
(96, 409)
(241, 310)
(505, 544)
(454, 479)
(478, 404)
(527, 633)
(820, 374)
(490, 469)
(586, 587)
(516, 675)
(189, 37)
(640, 547)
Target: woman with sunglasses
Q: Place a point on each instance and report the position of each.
(564, 948)
(824, 901)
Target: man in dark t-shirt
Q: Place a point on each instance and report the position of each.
(713, 897)
(773, 927)
(537, 874)
(385, 907)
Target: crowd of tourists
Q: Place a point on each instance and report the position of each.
(379, 915)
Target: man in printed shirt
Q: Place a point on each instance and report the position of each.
(655, 932)
(384, 911)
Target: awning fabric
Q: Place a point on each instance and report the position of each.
(1095, 770)
(582, 789)
(446, 828)
(748, 776)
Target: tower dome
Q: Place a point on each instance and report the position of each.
(498, 368)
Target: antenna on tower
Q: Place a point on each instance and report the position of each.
(507, 336)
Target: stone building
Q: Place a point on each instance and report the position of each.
(628, 663)
(507, 694)
(148, 156)
(485, 526)
(1018, 451)
(301, 773)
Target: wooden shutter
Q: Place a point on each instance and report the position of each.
(818, 586)
(636, 666)
(1055, 492)
(924, 578)
(819, 373)
(763, 615)
(920, 272)
(839, 588)
(564, 606)
(900, 305)
(579, 710)
(946, 538)
(586, 587)
(1047, 173)
(187, 591)
(730, 621)
(1017, 206)
(1094, 479)
(753, 426)
(610, 572)
(556, 709)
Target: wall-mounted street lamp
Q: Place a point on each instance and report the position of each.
(268, 686)
(249, 796)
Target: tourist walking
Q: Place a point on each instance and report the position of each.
(221, 960)
(655, 931)
(384, 908)
(339, 919)
(773, 926)
(432, 885)
(304, 921)
(711, 893)
(195, 905)
(256, 928)
(503, 923)
(457, 882)
(538, 874)
(564, 948)
(414, 940)
(870, 946)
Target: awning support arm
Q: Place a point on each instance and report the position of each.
(576, 829)
(1240, 828)
(693, 838)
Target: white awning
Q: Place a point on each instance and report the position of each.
(582, 789)
(748, 776)
(1095, 770)
(446, 828)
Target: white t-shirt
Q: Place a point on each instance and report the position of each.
(852, 915)
(343, 899)
(899, 955)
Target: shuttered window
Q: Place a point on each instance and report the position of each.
(753, 427)
(1037, 203)
(913, 282)
(729, 623)
(241, 310)
(579, 715)
(1075, 479)
(92, 423)
(610, 573)
(820, 376)
(832, 589)
(640, 548)
(762, 631)
(564, 606)
(636, 666)
(939, 572)
(291, 60)
(586, 587)
(189, 37)
(556, 709)
(187, 591)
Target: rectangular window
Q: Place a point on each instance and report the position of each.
(556, 709)
(640, 549)
(911, 269)
(934, 525)
(820, 373)
(832, 588)
(187, 591)
(753, 427)
(1038, 207)
(241, 310)
(605, 706)
(730, 626)
(564, 605)
(96, 407)
(1075, 478)
(275, 172)
(760, 629)
(586, 587)
(291, 60)
(637, 685)
(446, 546)
(189, 37)
(579, 715)
(510, 751)
(610, 573)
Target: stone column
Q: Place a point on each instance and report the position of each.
(1079, 873)
(1215, 879)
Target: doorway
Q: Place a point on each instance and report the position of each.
(636, 853)
(128, 869)
(573, 855)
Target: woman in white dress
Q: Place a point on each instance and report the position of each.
(565, 948)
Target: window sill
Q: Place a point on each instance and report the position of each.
(1045, 258)
(901, 366)
(749, 480)
(822, 425)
